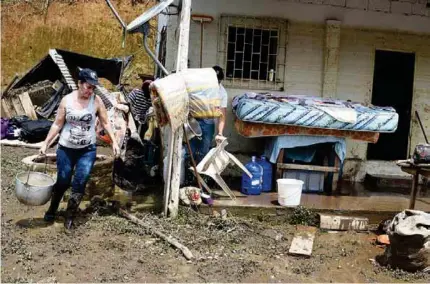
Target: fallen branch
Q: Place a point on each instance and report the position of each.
(187, 253)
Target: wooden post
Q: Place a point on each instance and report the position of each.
(174, 152)
(415, 184)
(279, 170)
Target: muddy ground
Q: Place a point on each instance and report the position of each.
(108, 248)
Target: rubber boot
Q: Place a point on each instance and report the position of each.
(72, 209)
(53, 207)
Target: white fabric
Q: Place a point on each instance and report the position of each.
(223, 96)
(347, 115)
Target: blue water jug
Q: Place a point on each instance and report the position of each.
(267, 174)
(252, 186)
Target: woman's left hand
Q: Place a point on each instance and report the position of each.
(116, 150)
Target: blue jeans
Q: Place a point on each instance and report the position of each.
(201, 146)
(81, 160)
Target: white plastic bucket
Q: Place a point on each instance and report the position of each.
(289, 191)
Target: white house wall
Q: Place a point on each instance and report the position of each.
(363, 30)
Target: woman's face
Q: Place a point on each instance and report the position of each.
(86, 89)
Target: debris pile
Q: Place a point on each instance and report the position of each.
(409, 237)
(29, 105)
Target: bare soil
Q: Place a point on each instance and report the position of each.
(107, 248)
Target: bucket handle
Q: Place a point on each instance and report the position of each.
(46, 164)
(29, 170)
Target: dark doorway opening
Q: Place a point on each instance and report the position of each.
(393, 86)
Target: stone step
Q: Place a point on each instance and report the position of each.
(386, 174)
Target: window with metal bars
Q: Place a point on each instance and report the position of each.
(253, 51)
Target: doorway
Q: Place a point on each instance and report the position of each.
(393, 80)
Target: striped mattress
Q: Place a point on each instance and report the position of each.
(314, 112)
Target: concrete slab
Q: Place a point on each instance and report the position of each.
(386, 170)
(303, 241)
(343, 223)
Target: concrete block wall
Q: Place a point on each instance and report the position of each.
(304, 59)
(405, 7)
(356, 72)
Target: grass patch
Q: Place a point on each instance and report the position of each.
(303, 216)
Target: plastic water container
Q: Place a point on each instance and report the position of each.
(252, 186)
(289, 192)
(267, 174)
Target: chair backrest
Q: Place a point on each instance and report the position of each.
(215, 161)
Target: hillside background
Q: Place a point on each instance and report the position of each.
(29, 30)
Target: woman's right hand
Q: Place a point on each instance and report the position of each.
(43, 148)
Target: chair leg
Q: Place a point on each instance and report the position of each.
(239, 164)
(218, 179)
(202, 181)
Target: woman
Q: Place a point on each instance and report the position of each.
(75, 121)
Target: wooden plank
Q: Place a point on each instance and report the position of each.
(343, 223)
(175, 182)
(27, 105)
(303, 241)
(10, 85)
(335, 182)
(8, 104)
(280, 160)
(16, 103)
(415, 182)
(5, 109)
(307, 168)
(184, 34)
(167, 184)
(17, 143)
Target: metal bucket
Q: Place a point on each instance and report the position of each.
(34, 188)
(192, 128)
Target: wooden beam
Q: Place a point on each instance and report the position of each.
(279, 171)
(184, 35)
(168, 179)
(27, 105)
(5, 109)
(307, 168)
(171, 189)
(17, 105)
(415, 184)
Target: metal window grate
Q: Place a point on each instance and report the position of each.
(252, 51)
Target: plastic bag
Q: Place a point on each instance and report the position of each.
(4, 125)
(409, 249)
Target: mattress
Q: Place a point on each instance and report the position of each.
(314, 112)
(255, 130)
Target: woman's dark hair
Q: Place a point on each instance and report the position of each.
(145, 88)
(219, 72)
